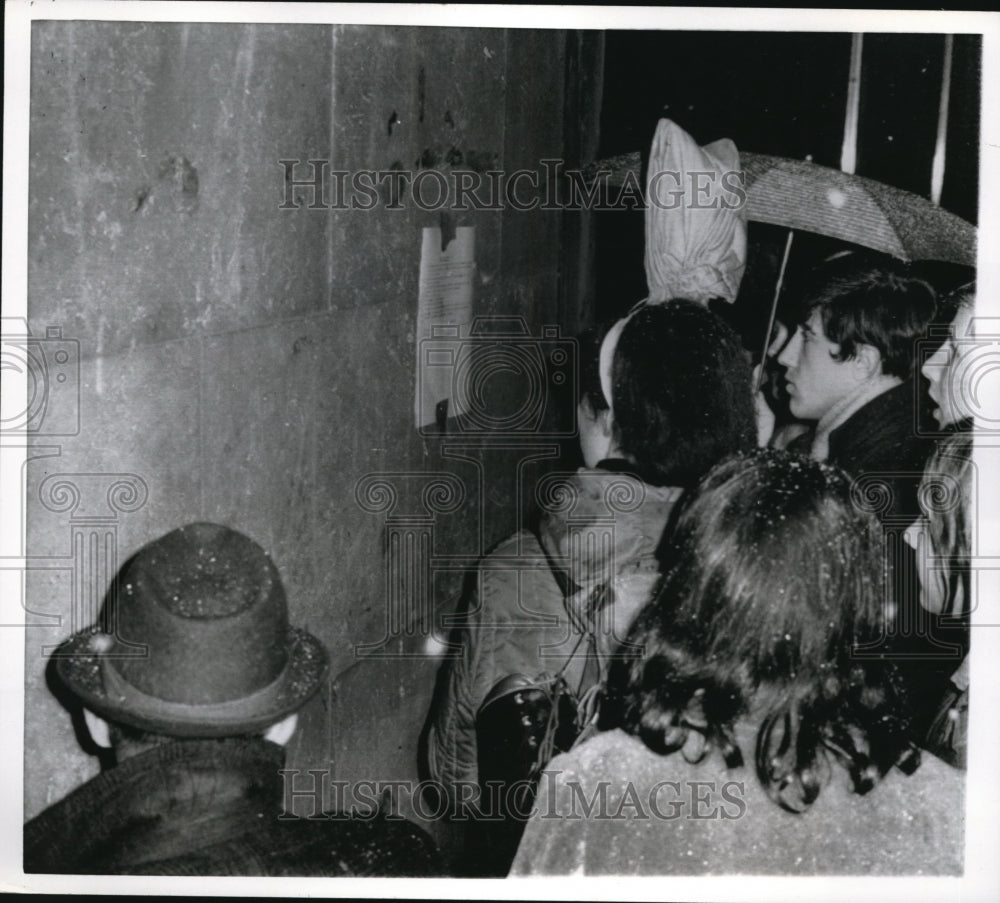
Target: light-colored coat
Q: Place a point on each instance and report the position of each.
(531, 601)
(612, 806)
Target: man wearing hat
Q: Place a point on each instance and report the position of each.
(195, 690)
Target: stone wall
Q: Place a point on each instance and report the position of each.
(248, 364)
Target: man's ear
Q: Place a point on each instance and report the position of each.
(869, 360)
(98, 729)
(282, 731)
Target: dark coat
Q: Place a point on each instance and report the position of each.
(211, 807)
(883, 447)
(883, 438)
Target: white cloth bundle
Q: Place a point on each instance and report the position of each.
(696, 234)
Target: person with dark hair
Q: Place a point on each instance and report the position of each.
(195, 689)
(664, 396)
(747, 730)
(849, 367)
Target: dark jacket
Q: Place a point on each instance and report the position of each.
(883, 448)
(883, 438)
(211, 807)
(531, 609)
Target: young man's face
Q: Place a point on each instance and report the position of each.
(815, 379)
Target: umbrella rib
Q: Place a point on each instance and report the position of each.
(873, 196)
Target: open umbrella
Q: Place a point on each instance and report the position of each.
(798, 194)
(802, 195)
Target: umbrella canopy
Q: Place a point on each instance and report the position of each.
(801, 195)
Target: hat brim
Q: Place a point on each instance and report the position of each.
(84, 660)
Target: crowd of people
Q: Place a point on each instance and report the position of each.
(803, 631)
(737, 637)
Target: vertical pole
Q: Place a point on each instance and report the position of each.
(774, 310)
(937, 167)
(849, 149)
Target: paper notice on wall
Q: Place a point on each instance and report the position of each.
(444, 313)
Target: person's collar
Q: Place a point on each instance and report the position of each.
(847, 407)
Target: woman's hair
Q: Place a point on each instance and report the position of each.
(949, 304)
(681, 392)
(945, 497)
(776, 580)
(963, 296)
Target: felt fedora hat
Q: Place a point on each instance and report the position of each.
(198, 642)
